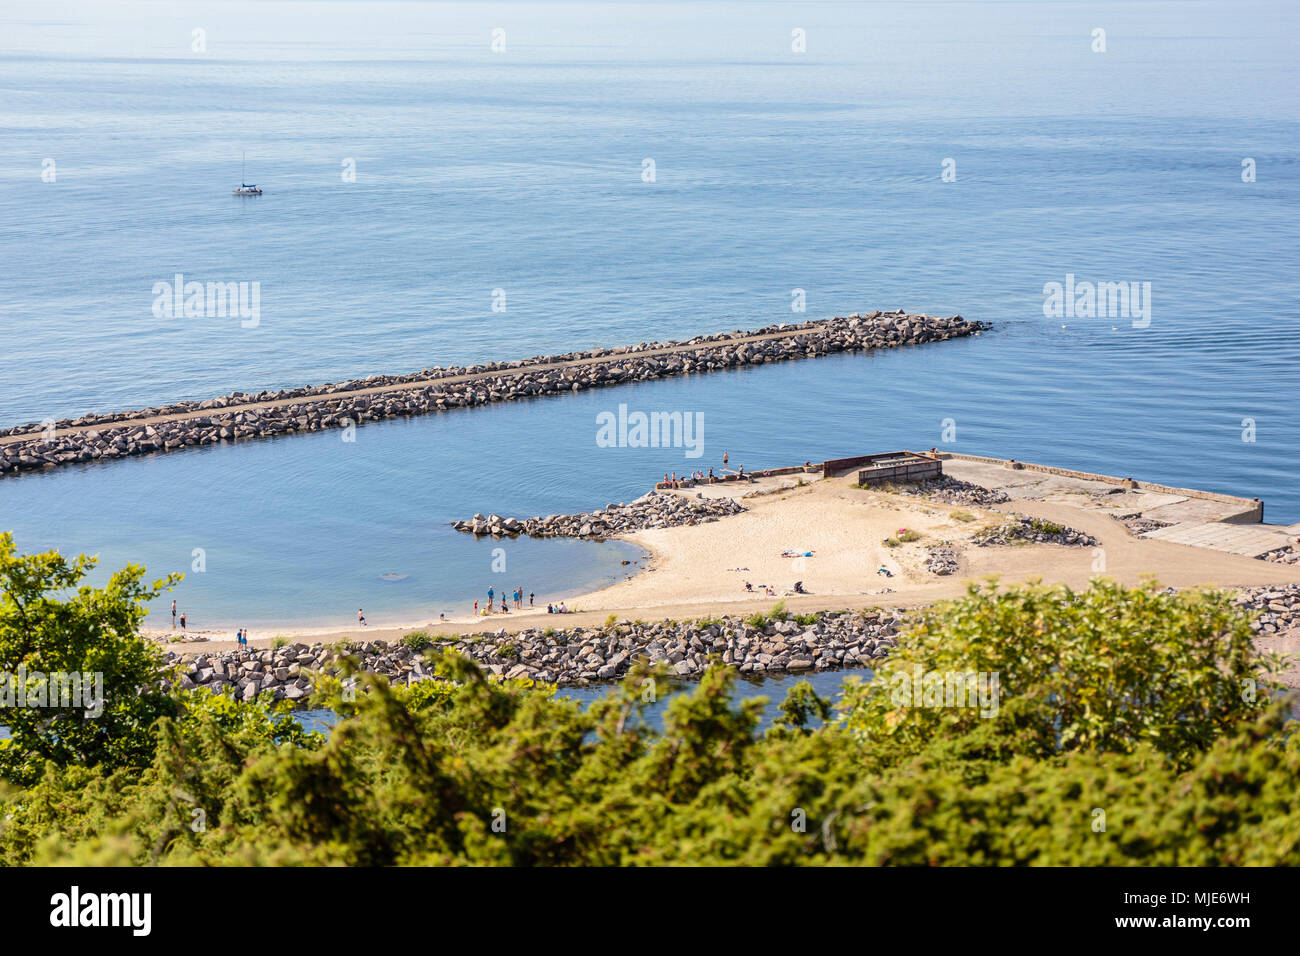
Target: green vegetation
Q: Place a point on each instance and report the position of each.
(417, 640)
(962, 515)
(50, 622)
(1045, 526)
(1143, 710)
(760, 620)
(279, 641)
(611, 621)
(905, 536)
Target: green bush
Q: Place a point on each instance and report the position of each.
(759, 620)
(417, 640)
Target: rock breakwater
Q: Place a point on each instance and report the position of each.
(576, 656)
(655, 509)
(827, 640)
(240, 416)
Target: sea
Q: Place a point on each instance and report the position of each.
(456, 182)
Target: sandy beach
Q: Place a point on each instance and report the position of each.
(830, 534)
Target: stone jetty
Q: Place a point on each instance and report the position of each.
(830, 640)
(655, 509)
(239, 415)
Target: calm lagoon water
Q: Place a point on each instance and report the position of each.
(522, 171)
(828, 684)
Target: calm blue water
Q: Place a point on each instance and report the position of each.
(828, 684)
(522, 171)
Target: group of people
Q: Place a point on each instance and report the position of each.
(241, 637)
(674, 480)
(516, 596)
(174, 617)
(683, 481)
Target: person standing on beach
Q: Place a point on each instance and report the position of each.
(530, 598)
(489, 604)
(173, 615)
(519, 598)
(725, 458)
(182, 620)
(476, 608)
(361, 618)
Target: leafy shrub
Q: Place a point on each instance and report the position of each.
(759, 620)
(417, 640)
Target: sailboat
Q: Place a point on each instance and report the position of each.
(246, 189)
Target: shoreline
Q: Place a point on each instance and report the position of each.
(693, 572)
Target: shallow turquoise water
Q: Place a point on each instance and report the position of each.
(522, 171)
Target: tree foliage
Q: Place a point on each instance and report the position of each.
(51, 623)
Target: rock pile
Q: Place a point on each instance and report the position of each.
(940, 560)
(286, 671)
(1138, 525)
(655, 509)
(1288, 555)
(571, 656)
(951, 491)
(1279, 605)
(240, 415)
(1023, 528)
